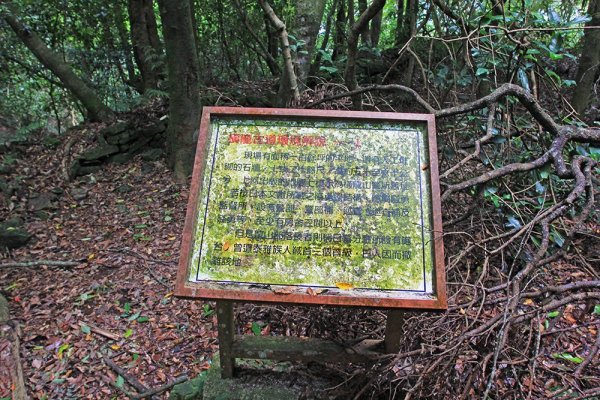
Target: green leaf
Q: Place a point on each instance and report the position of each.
(557, 238)
(481, 71)
(168, 218)
(256, 329)
(331, 70)
(553, 314)
(85, 329)
(59, 381)
(134, 316)
(128, 333)
(207, 310)
(597, 309)
(119, 382)
(141, 226)
(567, 357)
(143, 319)
(61, 349)
(127, 308)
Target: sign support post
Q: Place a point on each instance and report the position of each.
(226, 329)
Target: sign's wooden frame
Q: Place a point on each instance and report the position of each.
(185, 288)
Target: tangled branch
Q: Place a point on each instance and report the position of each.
(501, 291)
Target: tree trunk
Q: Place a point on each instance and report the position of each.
(182, 68)
(264, 52)
(412, 24)
(339, 39)
(376, 28)
(146, 44)
(288, 85)
(133, 79)
(589, 61)
(365, 35)
(315, 66)
(96, 109)
(353, 35)
(309, 14)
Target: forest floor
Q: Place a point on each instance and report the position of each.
(123, 226)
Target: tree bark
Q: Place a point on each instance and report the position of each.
(339, 39)
(365, 35)
(309, 14)
(120, 16)
(146, 43)
(96, 109)
(376, 28)
(182, 68)
(264, 51)
(353, 35)
(315, 66)
(589, 61)
(288, 85)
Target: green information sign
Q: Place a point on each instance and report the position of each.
(314, 205)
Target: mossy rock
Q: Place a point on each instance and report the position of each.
(12, 237)
(99, 152)
(189, 390)
(115, 129)
(266, 388)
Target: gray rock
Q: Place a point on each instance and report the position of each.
(12, 237)
(125, 188)
(88, 169)
(99, 152)
(147, 168)
(115, 129)
(123, 137)
(42, 215)
(120, 158)
(152, 155)
(41, 201)
(79, 193)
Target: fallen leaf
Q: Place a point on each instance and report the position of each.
(528, 302)
(284, 290)
(315, 292)
(344, 285)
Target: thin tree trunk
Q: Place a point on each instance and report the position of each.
(96, 109)
(376, 28)
(264, 51)
(146, 44)
(182, 68)
(353, 35)
(309, 14)
(288, 86)
(339, 39)
(589, 62)
(365, 35)
(412, 21)
(314, 67)
(133, 79)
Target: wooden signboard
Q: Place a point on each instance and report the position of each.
(314, 207)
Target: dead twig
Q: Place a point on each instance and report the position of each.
(128, 377)
(49, 263)
(97, 330)
(151, 392)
